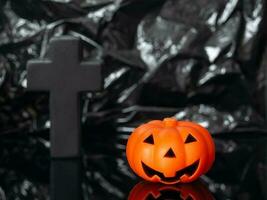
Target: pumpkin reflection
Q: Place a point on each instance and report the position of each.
(150, 191)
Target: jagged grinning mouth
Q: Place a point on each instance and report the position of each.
(190, 170)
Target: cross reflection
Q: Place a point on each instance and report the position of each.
(65, 179)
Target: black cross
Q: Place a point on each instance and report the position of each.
(65, 76)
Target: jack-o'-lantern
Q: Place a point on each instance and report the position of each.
(170, 151)
(150, 191)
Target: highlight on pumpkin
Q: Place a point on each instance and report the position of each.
(170, 151)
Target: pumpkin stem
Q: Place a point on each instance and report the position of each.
(170, 122)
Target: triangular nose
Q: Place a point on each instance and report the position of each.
(170, 154)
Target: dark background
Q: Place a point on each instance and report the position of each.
(199, 60)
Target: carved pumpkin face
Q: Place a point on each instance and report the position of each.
(157, 191)
(170, 151)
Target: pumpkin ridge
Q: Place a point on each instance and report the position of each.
(207, 137)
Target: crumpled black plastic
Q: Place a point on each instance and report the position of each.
(194, 60)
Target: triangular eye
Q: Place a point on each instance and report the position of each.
(190, 139)
(149, 140)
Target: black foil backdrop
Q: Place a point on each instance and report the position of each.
(199, 60)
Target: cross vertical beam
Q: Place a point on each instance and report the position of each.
(64, 75)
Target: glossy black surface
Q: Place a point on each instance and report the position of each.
(239, 172)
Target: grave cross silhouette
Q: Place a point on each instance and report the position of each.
(64, 76)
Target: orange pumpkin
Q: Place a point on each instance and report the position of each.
(170, 151)
(149, 191)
